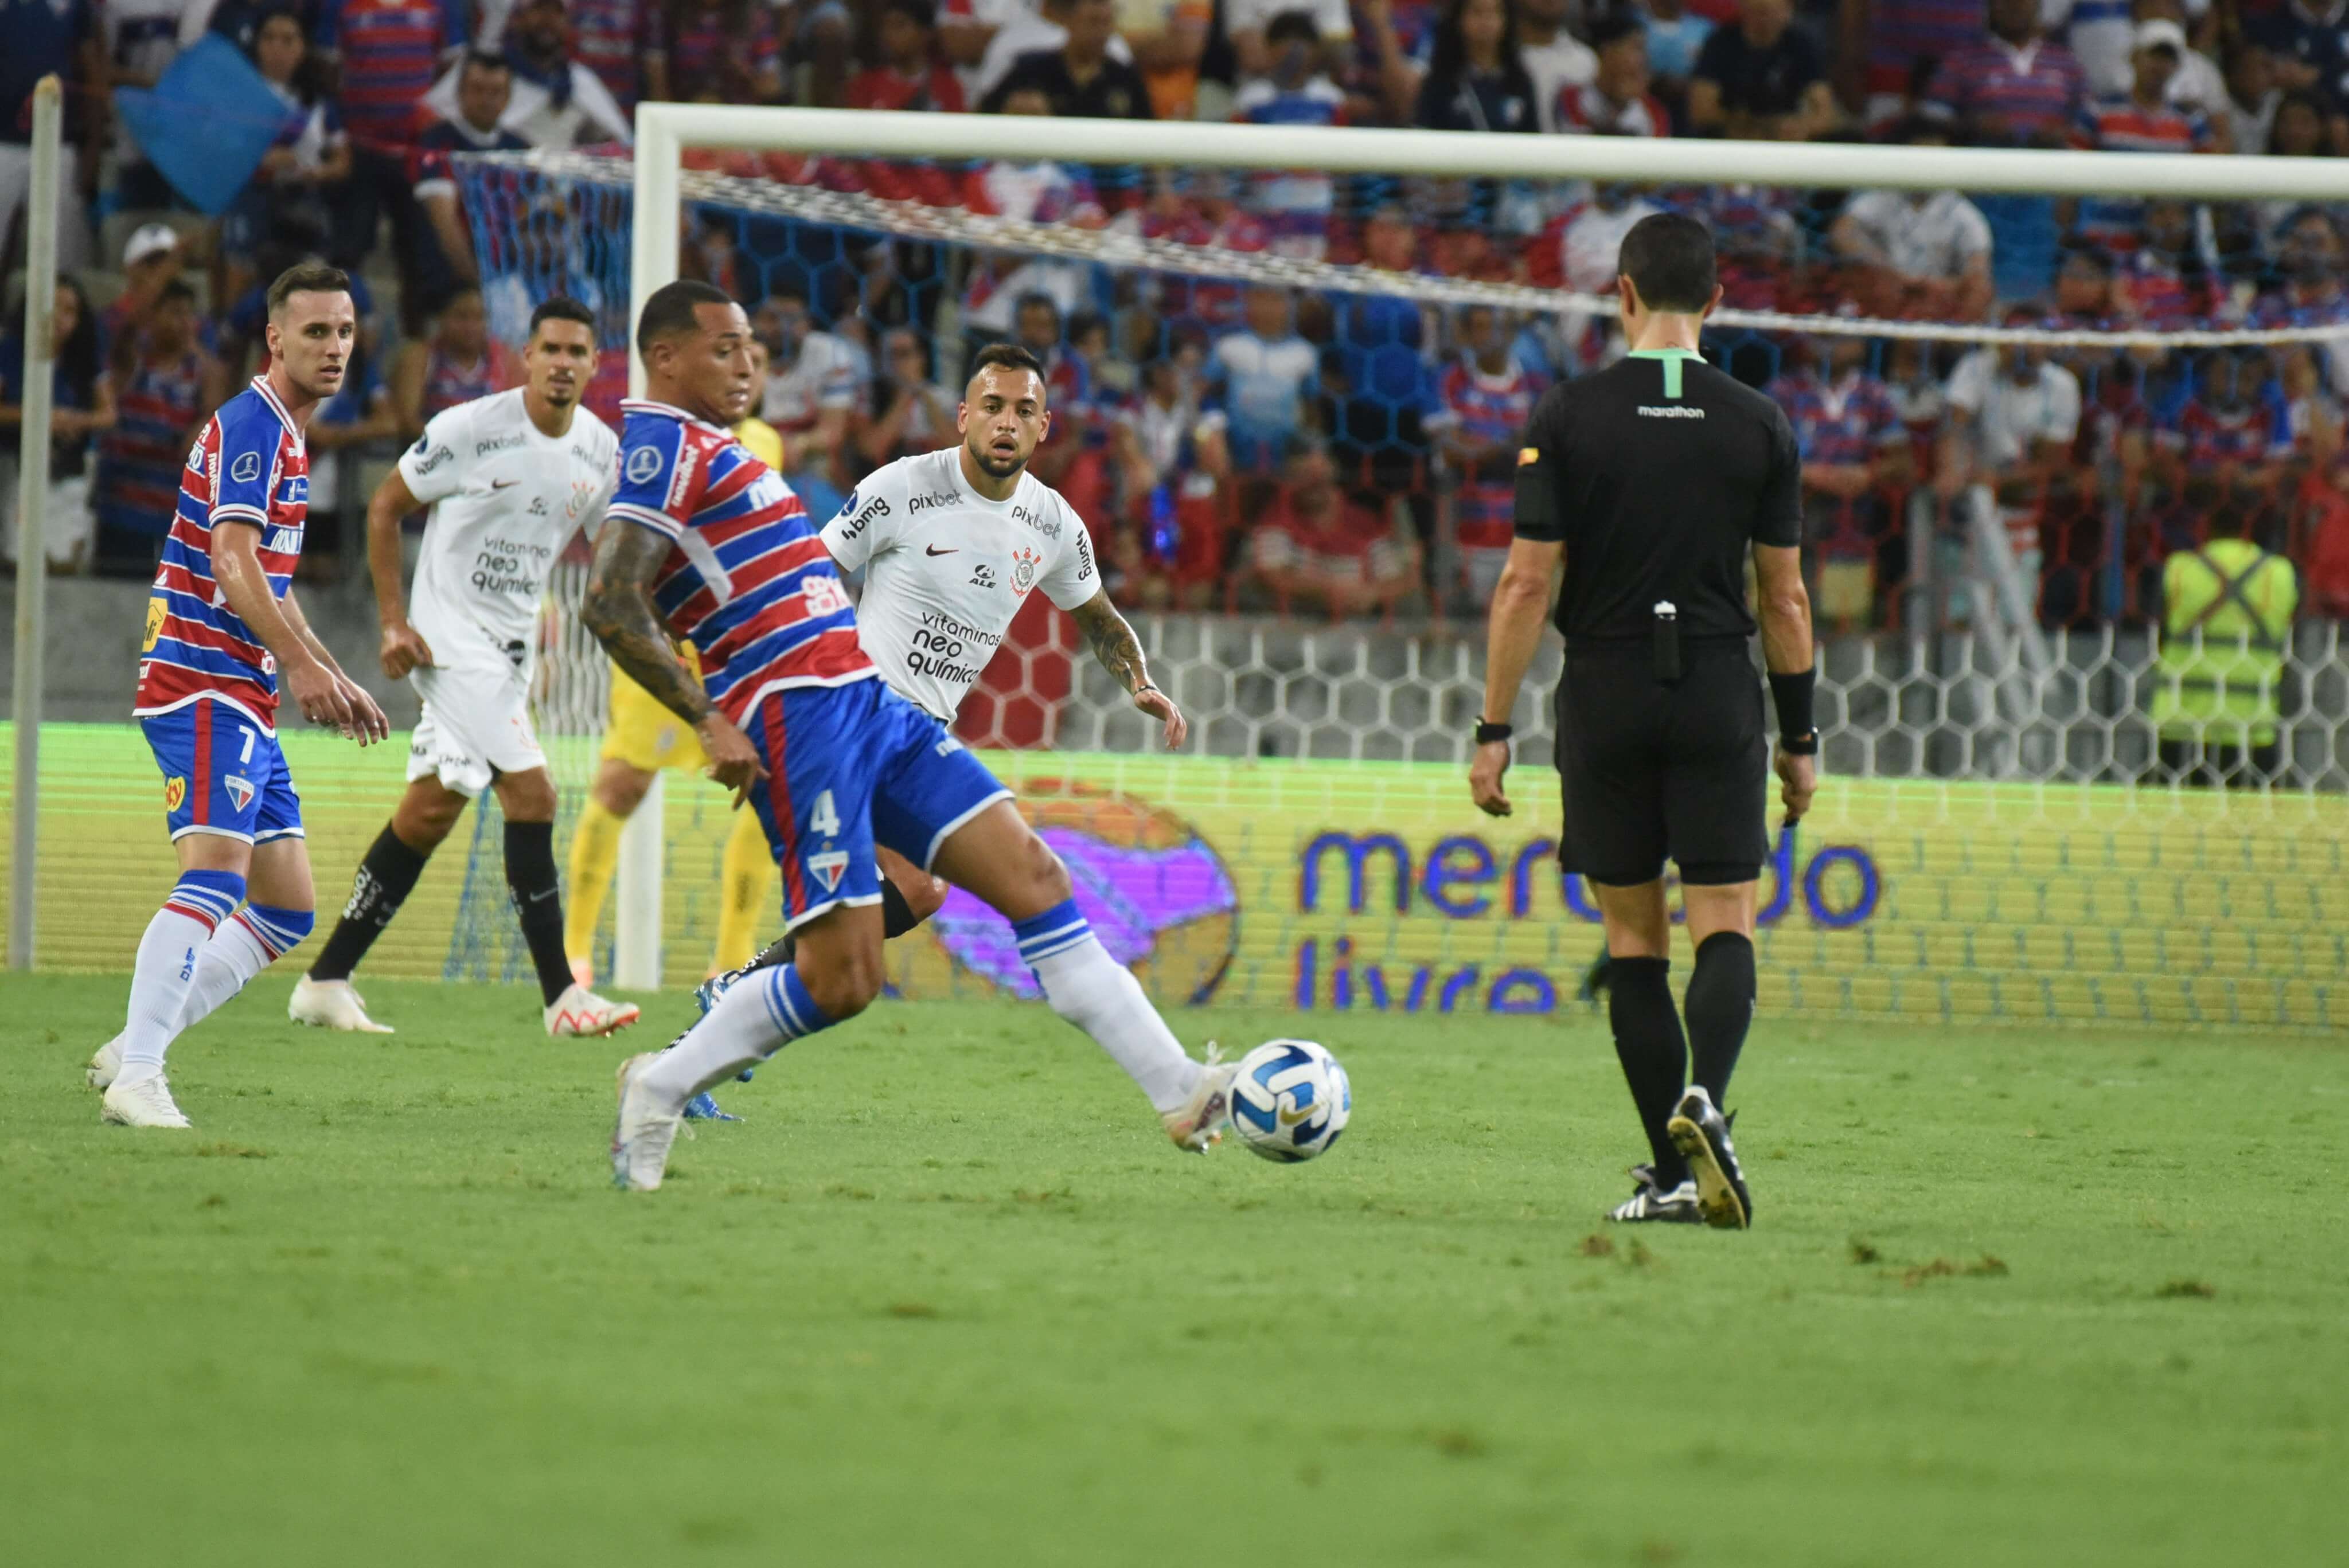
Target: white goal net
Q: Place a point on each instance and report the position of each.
(2026, 818)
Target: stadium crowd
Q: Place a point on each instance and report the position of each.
(1233, 442)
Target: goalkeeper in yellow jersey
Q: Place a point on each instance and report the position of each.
(640, 738)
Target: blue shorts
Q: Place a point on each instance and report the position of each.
(222, 773)
(848, 767)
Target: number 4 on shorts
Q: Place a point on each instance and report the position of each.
(823, 817)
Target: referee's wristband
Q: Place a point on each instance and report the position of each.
(1487, 733)
(1798, 730)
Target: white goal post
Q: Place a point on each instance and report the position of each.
(664, 132)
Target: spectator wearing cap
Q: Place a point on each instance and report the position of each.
(1553, 57)
(151, 262)
(908, 74)
(1294, 203)
(1761, 80)
(58, 37)
(311, 156)
(166, 387)
(2144, 120)
(1316, 548)
(483, 90)
(1477, 79)
(1081, 77)
(1916, 254)
(713, 51)
(1615, 102)
(2199, 83)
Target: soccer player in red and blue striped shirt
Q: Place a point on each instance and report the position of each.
(705, 541)
(222, 628)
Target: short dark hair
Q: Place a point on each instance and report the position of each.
(561, 307)
(1006, 356)
(672, 310)
(1030, 301)
(922, 13)
(484, 60)
(1292, 26)
(1616, 26)
(307, 277)
(1668, 256)
(178, 288)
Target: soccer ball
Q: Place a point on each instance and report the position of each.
(1290, 1100)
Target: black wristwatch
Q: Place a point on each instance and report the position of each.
(1805, 745)
(1487, 734)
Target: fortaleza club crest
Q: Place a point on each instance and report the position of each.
(1024, 562)
(829, 866)
(240, 791)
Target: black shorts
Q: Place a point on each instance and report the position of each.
(1650, 770)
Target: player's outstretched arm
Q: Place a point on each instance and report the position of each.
(619, 610)
(404, 648)
(1520, 604)
(1120, 652)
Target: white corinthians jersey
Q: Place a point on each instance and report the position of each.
(946, 570)
(506, 500)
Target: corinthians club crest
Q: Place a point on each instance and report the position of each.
(1024, 562)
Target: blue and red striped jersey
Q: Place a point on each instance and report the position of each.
(390, 52)
(139, 460)
(748, 579)
(248, 469)
(1492, 410)
(2013, 94)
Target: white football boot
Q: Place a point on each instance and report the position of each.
(331, 1004)
(643, 1129)
(581, 1014)
(106, 1065)
(141, 1102)
(1199, 1125)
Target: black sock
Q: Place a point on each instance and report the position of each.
(386, 875)
(897, 917)
(1720, 1005)
(1649, 1043)
(538, 900)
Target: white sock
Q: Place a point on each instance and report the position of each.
(166, 965)
(1100, 996)
(234, 955)
(759, 1015)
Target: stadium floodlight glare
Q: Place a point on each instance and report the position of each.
(1991, 693)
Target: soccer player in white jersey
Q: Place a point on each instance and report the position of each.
(951, 543)
(510, 477)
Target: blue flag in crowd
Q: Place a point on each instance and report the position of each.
(207, 123)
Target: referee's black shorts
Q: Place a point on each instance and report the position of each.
(1650, 770)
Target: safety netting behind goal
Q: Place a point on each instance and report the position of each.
(2096, 548)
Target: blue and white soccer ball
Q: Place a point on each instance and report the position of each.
(1290, 1100)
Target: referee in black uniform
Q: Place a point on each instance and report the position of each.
(1653, 478)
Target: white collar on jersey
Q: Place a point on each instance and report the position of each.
(651, 405)
(269, 396)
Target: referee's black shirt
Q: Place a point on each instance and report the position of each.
(1657, 474)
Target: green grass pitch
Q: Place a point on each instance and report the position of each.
(948, 1297)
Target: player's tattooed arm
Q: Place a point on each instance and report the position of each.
(1119, 652)
(620, 611)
